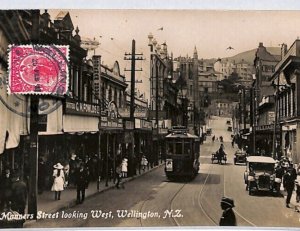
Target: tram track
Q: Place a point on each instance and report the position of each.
(170, 208)
(235, 210)
(200, 197)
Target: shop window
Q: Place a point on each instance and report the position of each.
(85, 92)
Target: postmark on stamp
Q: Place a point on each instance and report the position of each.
(38, 69)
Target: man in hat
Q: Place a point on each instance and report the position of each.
(81, 181)
(289, 184)
(19, 194)
(73, 168)
(228, 217)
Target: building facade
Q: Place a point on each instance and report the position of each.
(262, 102)
(286, 80)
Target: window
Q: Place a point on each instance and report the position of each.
(178, 149)
(85, 92)
(170, 148)
(187, 147)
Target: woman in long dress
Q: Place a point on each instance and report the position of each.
(59, 180)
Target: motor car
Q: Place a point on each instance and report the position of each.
(240, 156)
(228, 122)
(208, 131)
(260, 174)
(229, 129)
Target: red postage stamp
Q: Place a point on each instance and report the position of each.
(38, 69)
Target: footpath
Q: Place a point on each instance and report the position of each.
(47, 204)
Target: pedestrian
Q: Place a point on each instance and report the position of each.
(73, 167)
(41, 175)
(232, 142)
(124, 167)
(289, 184)
(67, 173)
(5, 188)
(213, 138)
(81, 180)
(19, 194)
(144, 162)
(119, 176)
(221, 139)
(228, 216)
(59, 180)
(297, 182)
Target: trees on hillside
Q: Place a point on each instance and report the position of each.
(229, 84)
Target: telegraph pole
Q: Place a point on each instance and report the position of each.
(133, 57)
(34, 110)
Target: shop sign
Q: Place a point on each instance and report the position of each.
(96, 75)
(81, 108)
(42, 123)
(271, 117)
(129, 125)
(137, 123)
(110, 118)
(138, 112)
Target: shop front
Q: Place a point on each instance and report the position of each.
(290, 146)
(112, 138)
(143, 141)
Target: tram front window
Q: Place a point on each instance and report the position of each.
(178, 148)
(170, 148)
(187, 148)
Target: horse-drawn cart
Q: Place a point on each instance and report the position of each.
(220, 158)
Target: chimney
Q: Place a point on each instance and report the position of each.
(283, 50)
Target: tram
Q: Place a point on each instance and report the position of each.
(183, 151)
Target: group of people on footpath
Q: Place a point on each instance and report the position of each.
(13, 192)
(289, 175)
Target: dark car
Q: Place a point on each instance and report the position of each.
(229, 129)
(228, 122)
(240, 156)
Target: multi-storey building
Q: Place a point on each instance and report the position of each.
(263, 101)
(286, 81)
(225, 67)
(71, 123)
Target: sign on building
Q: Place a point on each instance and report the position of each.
(96, 77)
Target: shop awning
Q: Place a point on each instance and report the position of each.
(13, 118)
(74, 123)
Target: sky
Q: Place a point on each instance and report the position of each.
(211, 31)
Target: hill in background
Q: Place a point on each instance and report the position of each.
(248, 56)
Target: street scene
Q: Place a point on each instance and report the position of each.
(135, 118)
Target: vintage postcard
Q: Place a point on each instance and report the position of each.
(119, 118)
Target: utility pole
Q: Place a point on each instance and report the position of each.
(133, 57)
(34, 110)
(244, 108)
(275, 120)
